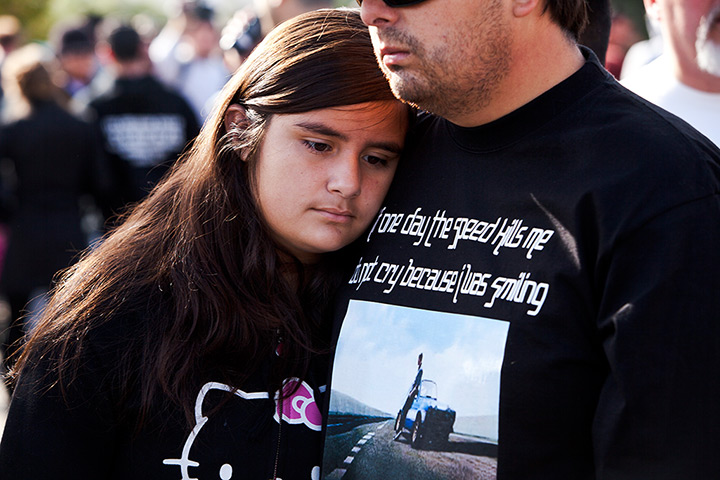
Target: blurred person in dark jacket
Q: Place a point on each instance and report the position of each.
(51, 162)
(143, 126)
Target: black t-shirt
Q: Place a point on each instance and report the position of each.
(143, 127)
(557, 269)
(85, 436)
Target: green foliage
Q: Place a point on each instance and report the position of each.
(31, 14)
(39, 16)
(123, 9)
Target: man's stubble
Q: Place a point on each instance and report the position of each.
(458, 77)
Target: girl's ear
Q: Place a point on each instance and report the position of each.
(235, 117)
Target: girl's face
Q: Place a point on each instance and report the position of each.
(321, 176)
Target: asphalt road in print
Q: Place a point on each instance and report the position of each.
(372, 454)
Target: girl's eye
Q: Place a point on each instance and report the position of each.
(317, 146)
(372, 160)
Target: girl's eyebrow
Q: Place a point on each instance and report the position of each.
(389, 146)
(322, 129)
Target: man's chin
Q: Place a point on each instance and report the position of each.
(708, 57)
(403, 84)
(707, 45)
(404, 91)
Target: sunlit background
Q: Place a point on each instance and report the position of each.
(39, 16)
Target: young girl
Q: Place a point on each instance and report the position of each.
(191, 342)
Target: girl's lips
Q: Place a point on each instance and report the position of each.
(335, 215)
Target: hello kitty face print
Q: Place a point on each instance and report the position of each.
(298, 408)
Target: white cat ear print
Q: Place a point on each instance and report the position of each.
(184, 461)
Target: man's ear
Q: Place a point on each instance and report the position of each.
(522, 8)
(235, 117)
(652, 8)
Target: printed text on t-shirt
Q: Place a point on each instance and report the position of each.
(443, 231)
(500, 232)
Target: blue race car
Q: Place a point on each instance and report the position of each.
(427, 420)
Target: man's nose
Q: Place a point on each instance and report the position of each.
(376, 13)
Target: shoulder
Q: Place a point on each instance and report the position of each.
(117, 334)
(66, 119)
(617, 123)
(636, 160)
(167, 92)
(165, 99)
(99, 105)
(97, 348)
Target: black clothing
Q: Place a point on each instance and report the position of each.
(558, 269)
(55, 161)
(144, 127)
(88, 436)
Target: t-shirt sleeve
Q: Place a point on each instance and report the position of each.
(657, 415)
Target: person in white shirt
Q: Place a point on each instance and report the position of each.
(685, 79)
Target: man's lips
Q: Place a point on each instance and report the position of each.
(393, 55)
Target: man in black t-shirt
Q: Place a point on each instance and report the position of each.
(550, 241)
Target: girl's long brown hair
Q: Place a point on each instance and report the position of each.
(195, 257)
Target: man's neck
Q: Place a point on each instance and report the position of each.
(132, 69)
(689, 74)
(540, 60)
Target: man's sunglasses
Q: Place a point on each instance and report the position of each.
(396, 3)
